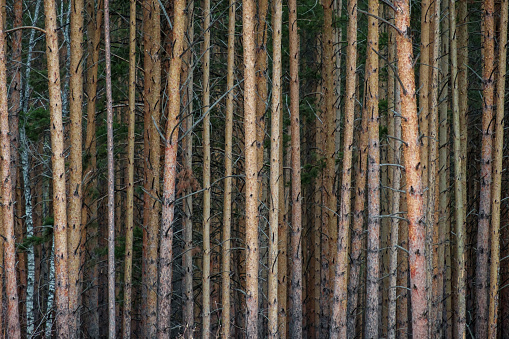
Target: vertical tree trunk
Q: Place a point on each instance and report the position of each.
(372, 259)
(251, 168)
(444, 223)
(339, 311)
(129, 223)
(459, 181)
(483, 231)
(58, 166)
(188, 201)
(296, 283)
(111, 176)
(90, 202)
(275, 175)
(206, 331)
(358, 227)
(75, 166)
(497, 175)
(414, 189)
(329, 219)
(16, 87)
(433, 181)
(152, 89)
(170, 169)
(228, 158)
(13, 325)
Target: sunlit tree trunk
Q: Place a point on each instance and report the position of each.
(251, 168)
(483, 230)
(170, 172)
(9, 266)
(497, 174)
(75, 166)
(414, 189)
(339, 309)
(58, 166)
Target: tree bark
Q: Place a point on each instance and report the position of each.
(339, 309)
(296, 321)
(497, 174)
(483, 230)
(75, 166)
(58, 166)
(414, 189)
(13, 320)
(170, 172)
(251, 168)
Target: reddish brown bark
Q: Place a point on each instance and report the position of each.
(13, 325)
(58, 167)
(414, 190)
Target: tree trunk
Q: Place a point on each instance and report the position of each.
(228, 158)
(58, 166)
(414, 189)
(372, 259)
(358, 227)
(296, 283)
(483, 230)
(129, 223)
(459, 181)
(251, 168)
(497, 174)
(111, 176)
(75, 166)
(152, 89)
(339, 311)
(188, 201)
(170, 172)
(329, 219)
(13, 325)
(206, 331)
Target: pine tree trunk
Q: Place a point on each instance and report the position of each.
(9, 267)
(275, 175)
(58, 166)
(228, 158)
(129, 222)
(329, 219)
(170, 172)
(111, 176)
(372, 259)
(414, 189)
(497, 174)
(296, 321)
(251, 168)
(339, 309)
(483, 230)
(188, 201)
(75, 166)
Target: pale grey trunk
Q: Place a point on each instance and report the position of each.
(51, 291)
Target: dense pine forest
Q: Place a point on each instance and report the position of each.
(254, 169)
